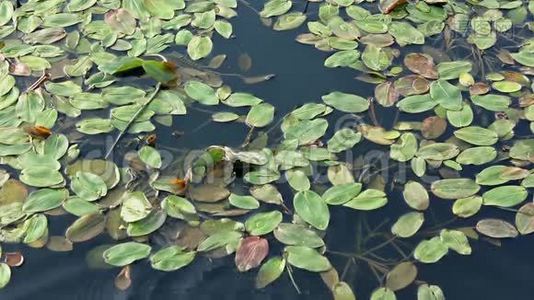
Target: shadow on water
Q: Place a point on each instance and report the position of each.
(491, 273)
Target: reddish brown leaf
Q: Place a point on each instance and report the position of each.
(19, 69)
(386, 94)
(251, 252)
(433, 127)
(123, 280)
(479, 88)
(388, 6)
(422, 64)
(14, 259)
(412, 85)
(120, 20)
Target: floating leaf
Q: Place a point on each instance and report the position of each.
(369, 199)
(244, 202)
(342, 291)
(346, 102)
(524, 219)
(416, 195)
(201, 92)
(307, 258)
(455, 240)
(199, 47)
(467, 207)
(446, 94)
(263, 223)
(250, 253)
(496, 228)
(150, 157)
(5, 275)
(429, 292)
(270, 271)
(312, 209)
(477, 135)
(260, 115)
(343, 139)
(408, 224)
(86, 228)
(454, 188)
(147, 225)
(88, 186)
(126, 253)
(297, 235)
(342, 193)
(505, 196)
(401, 276)
(171, 258)
(430, 251)
(383, 294)
(135, 206)
(44, 200)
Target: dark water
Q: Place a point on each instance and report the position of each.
(491, 272)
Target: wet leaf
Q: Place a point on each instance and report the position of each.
(307, 258)
(505, 196)
(433, 127)
(201, 92)
(312, 209)
(422, 64)
(123, 280)
(454, 188)
(496, 228)
(430, 251)
(250, 253)
(524, 219)
(405, 148)
(5, 275)
(270, 271)
(342, 291)
(343, 139)
(297, 235)
(369, 199)
(263, 223)
(44, 200)
(199, 47)
(455, 240)
(208, 193)
(260, 115)
(429, 292)
(171, 258)
(477, 156)
(416, 104)
(346, 102)
(383, 294)
(477, 135)
(401, 276)
(289, 21)
(147, 225)
(218, 240)
(150, 157)
(467, 207)
(408, 224)
(416, 195)
(342, 193)
(86, 228)
(244, 202)
(135, 206)
(499, 174)
(124, 254)
(41, 177)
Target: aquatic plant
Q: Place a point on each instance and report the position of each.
(461, 95)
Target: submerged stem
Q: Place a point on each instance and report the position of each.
(132, 120)
(290, 273)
